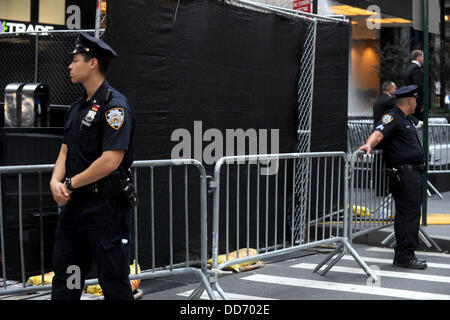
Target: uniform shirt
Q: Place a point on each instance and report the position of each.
(94, 126)
(401, 144)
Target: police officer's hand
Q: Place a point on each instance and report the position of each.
(366, 148)
(61, 194)
(372, 141)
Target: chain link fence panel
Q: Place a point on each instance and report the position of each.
(40, 57)
(305, 102)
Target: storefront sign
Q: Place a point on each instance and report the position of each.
(302, 5)
(6, 26)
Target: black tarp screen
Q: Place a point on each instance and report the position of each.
(224, 66)
(329, 113)
(215, 66)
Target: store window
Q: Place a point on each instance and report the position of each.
(16, 10)
(52, 11)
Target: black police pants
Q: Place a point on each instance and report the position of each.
(92, 229)
(407, 195)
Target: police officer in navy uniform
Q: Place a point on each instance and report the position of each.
(404, 159)
(91, 181)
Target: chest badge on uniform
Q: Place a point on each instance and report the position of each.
(387, 118)
(115, 117)
(90, 116)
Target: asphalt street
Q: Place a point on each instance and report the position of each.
(291, 276)
(293, 279)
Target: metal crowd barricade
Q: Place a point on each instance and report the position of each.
(439, 148)
(173, 268)
(371, 205)
(264, 220)
(358, 130)
(371, 202)
(357, 133)
(21, 171)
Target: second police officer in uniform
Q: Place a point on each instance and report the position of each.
(91, 179)
(404, 156)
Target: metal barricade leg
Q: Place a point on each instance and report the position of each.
(213, 279)
(426, 239)
(336, 260)
(219, 289)
(344, 248)
(196, 294)
(328, 257)
(388, 239)
(205, 285)
(426, 236)
(360, 261)
(435, 190)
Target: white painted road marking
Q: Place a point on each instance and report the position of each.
(389, 261)
(231, 296)
(418, 253)
(352, 288)
(382, 273)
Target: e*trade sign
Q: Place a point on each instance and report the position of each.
(6, 26)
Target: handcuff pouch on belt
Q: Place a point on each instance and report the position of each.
(128, 191)
(114, 185)
(393, 172)
(398, 170)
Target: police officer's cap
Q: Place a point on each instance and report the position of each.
(404, 92)
(93, 47)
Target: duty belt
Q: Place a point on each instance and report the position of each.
(112, 186)
(95, 188)
(411, 167)
(109, 186)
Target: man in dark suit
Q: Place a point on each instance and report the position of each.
(384, 102)
(414, 75)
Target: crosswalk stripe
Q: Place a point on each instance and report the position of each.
(352, 288)
(382, 273)
(418, 253)
(231, 296)
(389, 261)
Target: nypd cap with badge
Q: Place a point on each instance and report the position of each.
(406, 92)
(93, 47)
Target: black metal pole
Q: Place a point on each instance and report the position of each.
(426, 95)
(34, 12)
(442, 71)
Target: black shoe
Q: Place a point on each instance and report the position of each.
(421, 260)
(413, 263)
(396, 260)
